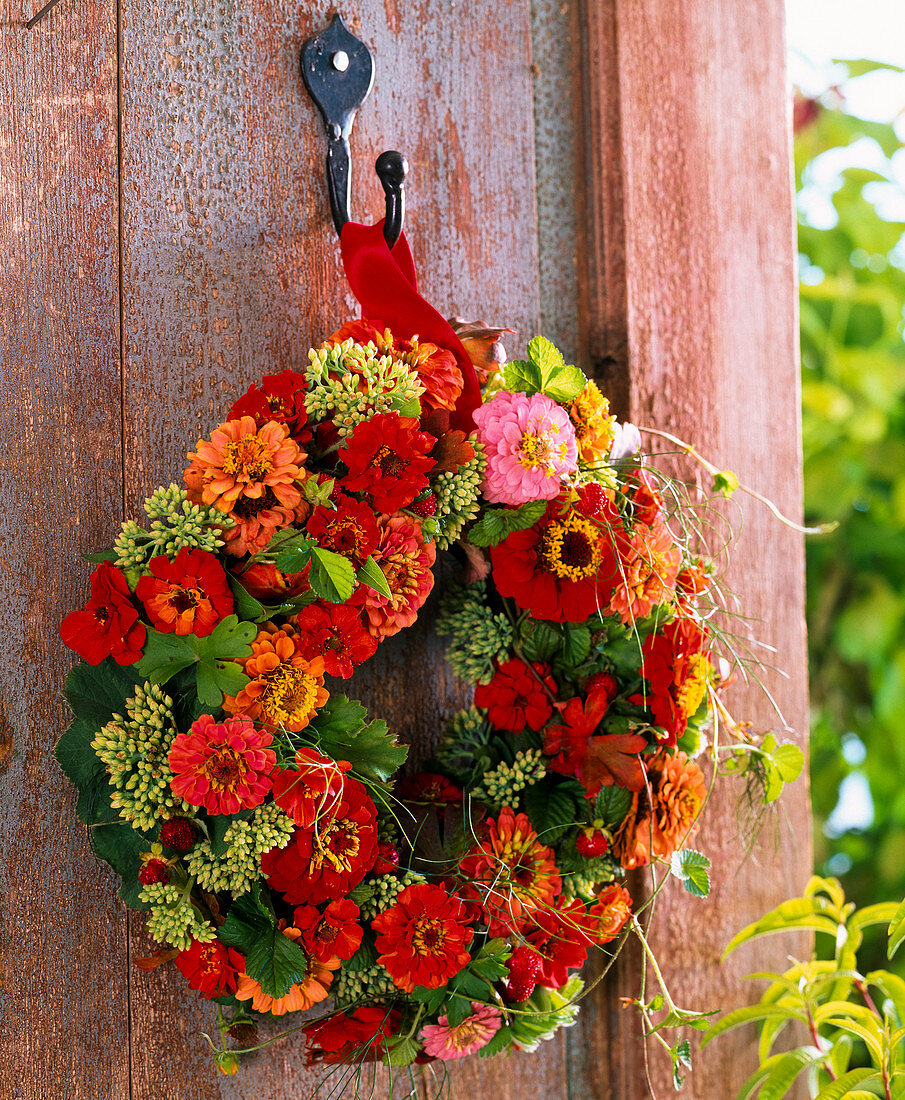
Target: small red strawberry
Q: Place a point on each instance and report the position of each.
(426, 506)
(524, 971)
(154, 870)
(178, 834)
(592, 500)
(387, 859)
(592, 842)
(603, 682)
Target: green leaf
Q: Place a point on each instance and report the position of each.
(332, 576)
(165, 655)
(841, 1088)
(517, 376)
(565, 384)
(612, 805)
(374, 577)
(789, 760)
(229, 639)
(797, 913)
(97, 692)
(247, 606)
(276, 962)
(557, 379)
(540, 641)
(681, 1059)
(749, 1014)
(552, 809)
(498, 523)
(401, 1051)
(217, 824)
(121, 846)
(896, 931)
(457, 1009)
(294, 558)
(783, 1074)
(576, 644)
(248, 918)
(338, 716)
(101, 555)
(691, 868)
(373, 752)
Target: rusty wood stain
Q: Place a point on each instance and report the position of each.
(230, 270)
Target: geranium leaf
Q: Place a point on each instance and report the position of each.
(248, 918)
(97, 692)
(372, 575)
(229, 639)
(121, 846)
(165, 655)
(370, 749)
(498, 523)
(332, 576)
(401, 1051)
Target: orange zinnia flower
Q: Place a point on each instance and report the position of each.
(648, 567)
(510, 872)
(285, 688)
(243, 461)
(311, 990)
(590, 416)
(663, 812)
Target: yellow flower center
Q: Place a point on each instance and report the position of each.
(570, 548)
(248, 459)
(290, 695)
(225, 768)
(428, 936)
(542, 449)
(690, 693)
(337, 843)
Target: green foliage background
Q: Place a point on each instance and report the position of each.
(853, 391)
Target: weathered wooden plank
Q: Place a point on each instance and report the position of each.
(63, 956)
(694, 174)
(231, 270)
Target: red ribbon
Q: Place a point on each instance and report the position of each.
(386, 286)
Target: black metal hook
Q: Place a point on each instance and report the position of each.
(338, 70)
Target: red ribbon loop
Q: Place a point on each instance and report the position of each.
(386, 286)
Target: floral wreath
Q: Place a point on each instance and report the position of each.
(255, 812)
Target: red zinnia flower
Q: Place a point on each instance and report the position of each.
(596, 761)
(510, 872)
(648, 566)
(351, 1037)
(423, 938)
(224, 767)
(329, 858)
(108, 626)
(350, 529)
(188, 595)
(561, 935)
(211, 968)
(406, 561)
(563, 568)
(430, 788)
(387, 458)
(335, 632)
(436, 367)
(645, 499)
(333, 933)
(312, 790)
(677, 665)
(281, 397)
(515, 697)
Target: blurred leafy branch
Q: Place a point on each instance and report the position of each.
(853, 394)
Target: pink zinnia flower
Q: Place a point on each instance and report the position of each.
(406, 561)
(224, 767)
(445, 1042)
(530, 446)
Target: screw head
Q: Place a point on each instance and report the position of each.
(340, 61)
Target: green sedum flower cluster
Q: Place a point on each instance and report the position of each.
(176, 523)
(134, 750)
(499, 788)
(478, 636)
(239, 867)
(350, 382)
(457, 497)
(173, 918)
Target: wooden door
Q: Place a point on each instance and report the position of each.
(614, 173)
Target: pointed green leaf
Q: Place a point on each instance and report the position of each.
(373, 576)
(692, 869)
(331, 576)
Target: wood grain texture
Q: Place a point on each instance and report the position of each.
(694, 175)
(63, 963)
